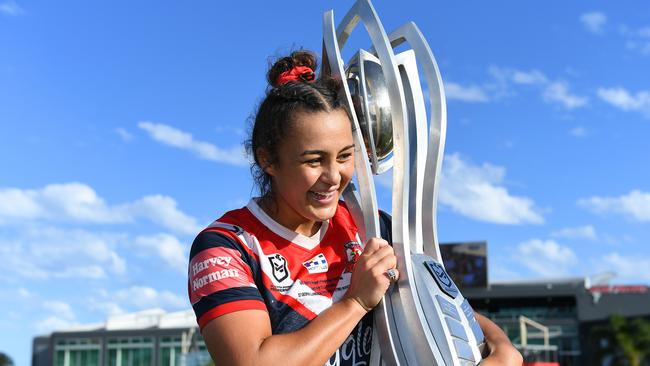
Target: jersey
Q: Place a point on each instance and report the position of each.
(246, 260)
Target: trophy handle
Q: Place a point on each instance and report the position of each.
(404, 334)
(410, 33)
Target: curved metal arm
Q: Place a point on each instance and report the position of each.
(410, 33)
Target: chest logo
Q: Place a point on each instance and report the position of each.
(317, 264)
(279, 267)
(352, 250)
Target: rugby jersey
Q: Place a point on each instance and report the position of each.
(246, 260)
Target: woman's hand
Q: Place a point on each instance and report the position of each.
(502, 352)
(369, 280)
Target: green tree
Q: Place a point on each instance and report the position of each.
(5, 360)
(625, 341)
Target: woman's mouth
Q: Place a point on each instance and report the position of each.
(323, 197)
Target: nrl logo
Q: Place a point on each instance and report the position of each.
(279, 267)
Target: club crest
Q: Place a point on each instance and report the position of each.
(352, 250)
(279, 267)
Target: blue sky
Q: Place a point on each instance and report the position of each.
(121, 126)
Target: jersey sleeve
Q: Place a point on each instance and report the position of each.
(221, 276)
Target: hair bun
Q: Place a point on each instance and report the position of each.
(296, 58)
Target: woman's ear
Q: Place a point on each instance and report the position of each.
(264, 160)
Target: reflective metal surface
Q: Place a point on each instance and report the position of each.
(423, 319)
(372, 106)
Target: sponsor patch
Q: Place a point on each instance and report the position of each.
(216, 269)
(317, 264)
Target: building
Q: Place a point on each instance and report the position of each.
(146, 338)
(565, 312)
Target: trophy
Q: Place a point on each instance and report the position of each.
(423, 319)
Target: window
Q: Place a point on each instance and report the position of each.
(133, 351)
(77, 352)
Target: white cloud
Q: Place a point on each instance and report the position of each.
(533, 77)
(78, 202)
(23, 292)
(471, 93)
(60, 309)
(552, 91)
(61, 317)
(53, 323)
(635, 205)
(176, 138)
(546, 257)
(10, 8)
(594, 21)
(477, 192)
(621, 98)
(558, 92)
(644, 32)
(637, 40)
(124, 134)
(630, 267)
(51, 253)
(578, 131)
(162, 210)
(586, 232)
(143, 297)
(167, 247)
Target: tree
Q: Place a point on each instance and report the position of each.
(624, 342)
(5, 360)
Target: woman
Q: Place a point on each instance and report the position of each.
(286, 280)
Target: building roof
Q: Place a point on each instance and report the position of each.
(146, 319)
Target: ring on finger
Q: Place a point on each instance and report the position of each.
(392, 274)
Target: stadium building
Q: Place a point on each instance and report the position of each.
(558, 321)
(147, 338)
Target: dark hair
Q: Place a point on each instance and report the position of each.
(281, 102)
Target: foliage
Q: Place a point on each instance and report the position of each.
(626, 342)
(5, 360)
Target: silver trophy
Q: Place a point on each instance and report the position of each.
(423, 319)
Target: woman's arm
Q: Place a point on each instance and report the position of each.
(502, 352)
(245, 338)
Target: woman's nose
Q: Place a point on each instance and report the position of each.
(331, 174)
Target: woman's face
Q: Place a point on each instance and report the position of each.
(315, 163)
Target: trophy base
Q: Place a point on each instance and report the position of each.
(450, 317)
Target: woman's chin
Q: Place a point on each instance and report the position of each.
(324, 213)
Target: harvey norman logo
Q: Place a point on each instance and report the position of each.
(222, 262)
(317, 264)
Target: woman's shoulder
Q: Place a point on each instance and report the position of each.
(228, 231)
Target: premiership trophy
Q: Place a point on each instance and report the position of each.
(423, 319)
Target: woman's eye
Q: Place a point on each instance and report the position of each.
(345, 157)
(313, 162)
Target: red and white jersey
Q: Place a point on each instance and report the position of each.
(246, 260)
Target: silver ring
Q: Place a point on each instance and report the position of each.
(392, 274)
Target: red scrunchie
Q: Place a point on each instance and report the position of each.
(297, 73)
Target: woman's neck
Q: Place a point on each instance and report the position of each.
(288, 218)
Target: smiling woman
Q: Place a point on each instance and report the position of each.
(286, 279)
(300, 281)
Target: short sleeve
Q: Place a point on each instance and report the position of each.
(221, 276)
